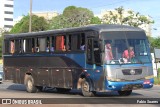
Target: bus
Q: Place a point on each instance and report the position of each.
(93, 58)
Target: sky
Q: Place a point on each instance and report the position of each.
(145, 7)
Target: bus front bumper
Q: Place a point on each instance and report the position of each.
(129, 85)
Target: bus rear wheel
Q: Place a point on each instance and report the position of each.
(125, 93)
(86, 89)
(29, 82)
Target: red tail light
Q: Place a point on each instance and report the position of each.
(146, 82)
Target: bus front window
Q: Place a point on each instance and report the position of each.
(108, 53)
(126, 51)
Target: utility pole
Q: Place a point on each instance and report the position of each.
(30, 18)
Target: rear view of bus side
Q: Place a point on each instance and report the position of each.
(93, 58)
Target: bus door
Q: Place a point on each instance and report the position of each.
(94, 59)
(93, 51)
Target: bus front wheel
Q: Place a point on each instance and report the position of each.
(125, 93)
(29, 83)
(86, 89)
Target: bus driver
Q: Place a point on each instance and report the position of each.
(128, 53)
(108, 53)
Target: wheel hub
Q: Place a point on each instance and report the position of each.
(86, 87)
(30, 84)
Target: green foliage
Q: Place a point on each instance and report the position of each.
(96, 20)
(2, 32)
(132, 18)
(1, 44)
(38, 24)
(154, 43)
(74, 17)
(58, 22)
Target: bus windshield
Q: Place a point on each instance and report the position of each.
(125, 48)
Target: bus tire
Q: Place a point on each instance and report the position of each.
(86, 89)
(125, 93)
(29, 83)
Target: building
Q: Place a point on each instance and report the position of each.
(6, 14)
(155, 65)
(145, 27)
(47, 15)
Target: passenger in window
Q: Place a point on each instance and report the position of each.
(32, 50)
(47, 49)
(52, 49)
(12, 47)
(48, 46)
(37, 49)
(108, 53)
(128, 53)
(68, 48)
(64, 48)
(82, 47)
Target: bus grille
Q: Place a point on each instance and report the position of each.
(132, 71)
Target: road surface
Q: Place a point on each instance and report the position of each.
(11, 90)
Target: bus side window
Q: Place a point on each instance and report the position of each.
(52, 42)
(37, 45)
(12, 46)
(18, 46)
(82, 42)
(33, 45)
(90, 53)
(24, 45)
(6, 47)
(68, 45)
(28, 45)
(96, 49)
(47, 44)
(60, 43)
(42, 44)
(77, 41)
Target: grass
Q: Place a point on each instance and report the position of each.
(157, 79)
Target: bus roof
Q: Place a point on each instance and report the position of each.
(99, 28)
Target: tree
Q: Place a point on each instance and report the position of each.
(74, 17)
(2, 32)
(1, 42)
(154, 43)
(78, 16)
(38, 24)
(122, 17)
(95, 20)
(58, 22)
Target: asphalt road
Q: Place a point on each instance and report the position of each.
(11, 90)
